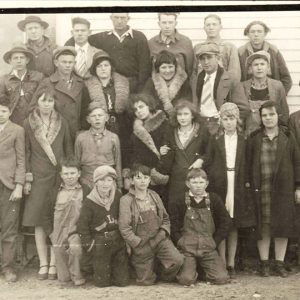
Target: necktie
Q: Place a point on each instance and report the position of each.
(81, 63)
(206, 91)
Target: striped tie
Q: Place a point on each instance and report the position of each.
(206, 91)
(81, 63)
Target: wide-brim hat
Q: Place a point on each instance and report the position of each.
(206, 48)
(64, 50)
(32, 19)
(259, 54)
(18, 49)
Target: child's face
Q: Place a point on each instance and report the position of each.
(46, 104)
(229, 123)
(197, 185)
(184, 116)
(97, 118)
(4, 114)
(141, 181)
(104, 185)
(69, 176)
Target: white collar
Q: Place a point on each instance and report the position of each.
(230, 136)
(14, 72)
(212, 76)
(128, 32)
(2, 126)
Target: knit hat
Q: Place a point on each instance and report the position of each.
(259, 54)
(229, 109)
(104, 171)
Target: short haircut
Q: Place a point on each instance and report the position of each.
(78, 20)
(147, 99)
(69, 162)
(247, 29)
(183, 103)
(168, 14)
(195, 173)
(164, 57)
(268, 104)
(139, 168)
(4, 101)
(213, 16)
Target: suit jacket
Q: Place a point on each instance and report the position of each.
(12, 158)
(226, 89)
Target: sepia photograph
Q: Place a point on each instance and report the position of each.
(150, 152)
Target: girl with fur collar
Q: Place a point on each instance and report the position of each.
(48, 140)
(168, 83)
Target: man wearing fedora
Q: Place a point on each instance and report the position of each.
(69, 88)
(215, 86)
(39, 44)
(20, 84)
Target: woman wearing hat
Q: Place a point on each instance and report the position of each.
(47, 142)
(39, 44)
(20, 84)
(256, 31)
(168, 82)
(260, 88)
(111, 90)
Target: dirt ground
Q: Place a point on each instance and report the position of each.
(248, 286)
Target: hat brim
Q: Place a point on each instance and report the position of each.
(207, 52)
(8, 54)
(23, 23)
(251, 58)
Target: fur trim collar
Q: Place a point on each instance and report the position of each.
(166, 93)
(193, 134)
(45, 139)
(142, 131)
(121, 86)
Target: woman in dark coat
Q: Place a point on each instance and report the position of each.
(184, 148)
(168, 82)
(47, 141)
(274, 165)
(225, 163)
(149, 129)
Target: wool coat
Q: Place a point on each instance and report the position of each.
(294, 125)
(285, 180)
(216, 167)
(42, 172)
(279, 70)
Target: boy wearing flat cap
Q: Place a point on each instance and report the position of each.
(69, 88)
(216, 86)
(39, 44)
(99, 232)
(20, 84)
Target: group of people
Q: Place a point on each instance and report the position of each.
(144, 159)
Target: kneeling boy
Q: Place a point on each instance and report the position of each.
(145, 226)
(206, 224)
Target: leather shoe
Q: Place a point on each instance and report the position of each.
(264, 268)
(279, 269)
(10, 275)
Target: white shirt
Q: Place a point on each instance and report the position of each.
(2, 126)
(15, 72)
(123, 36)
(184, 135)
(230, 148)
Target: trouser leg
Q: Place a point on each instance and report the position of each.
(188, 272)
(62, 263)
(214, 267)
(170, 258)
(75, 253)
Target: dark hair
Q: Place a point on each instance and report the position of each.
(268, 104)
(4, 101)
(78, 20)
(139, 168)
(69, 162)
(247, 29)
(213, 16)
(168, 14)
(147, 99)
(182, 103)
(98, 61)
(195, 173)
(164, 57)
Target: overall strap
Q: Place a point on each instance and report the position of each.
(207, 202)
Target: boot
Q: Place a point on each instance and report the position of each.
(264, 268)
(279, 269)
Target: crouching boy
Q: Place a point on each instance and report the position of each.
(64, 237)
(12, 178)
(206, 224)
(99, 232)
(145, 226)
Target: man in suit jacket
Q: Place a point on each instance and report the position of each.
(216, 86)
(12, 178)
(85, 52)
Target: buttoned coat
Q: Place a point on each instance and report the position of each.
(69, 101)
(226, 89)
(285, 179)
(12, 155)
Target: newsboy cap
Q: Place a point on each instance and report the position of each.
(17, 49)
(32, 19)
(104, 171)
(64, 50)
(259, 54)
(206, 48)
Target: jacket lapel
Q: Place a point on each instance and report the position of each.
(239, 153)
(5, 133)
(271, 90)
(222, 90)
(281, 148)
(221, 146)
